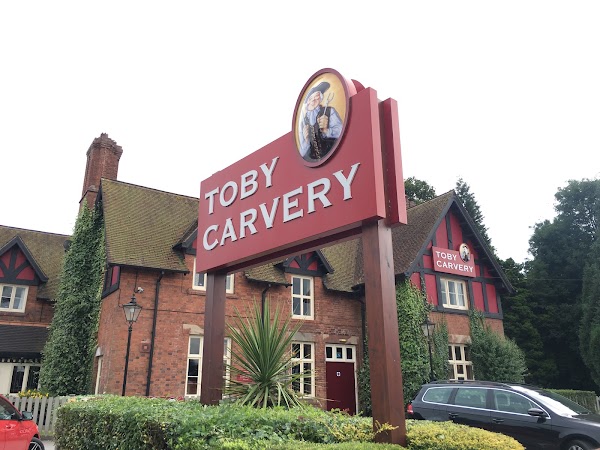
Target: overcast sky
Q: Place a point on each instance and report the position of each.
(504, 94)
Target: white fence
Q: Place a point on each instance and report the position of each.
(43, 410)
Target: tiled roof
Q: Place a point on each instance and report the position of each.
(48, 251)
(346, 257)
(270, 273)
(23, 341)
(143, 225)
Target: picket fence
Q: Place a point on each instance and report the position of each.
(43, 409)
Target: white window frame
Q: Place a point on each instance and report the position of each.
(198, 357)
(11, 302)
(344, 348)
(462, 362)
(301, 361)
(199, 281)
(25, 381)
(302, 296)
(445, 284)
(97, 387)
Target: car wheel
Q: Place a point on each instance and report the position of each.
(578, 444)
(36, 444)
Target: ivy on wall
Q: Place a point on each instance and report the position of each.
(67, 358)
(412, 310)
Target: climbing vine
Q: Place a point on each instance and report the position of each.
(67, 357)
(412, 310)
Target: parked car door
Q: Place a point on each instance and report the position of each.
(469, 407)
(510, 417)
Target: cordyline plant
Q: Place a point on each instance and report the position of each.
(263, 359)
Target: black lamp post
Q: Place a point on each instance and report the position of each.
(428, 327)
(132, 312)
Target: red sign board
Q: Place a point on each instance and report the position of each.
(269, 200)
(450, 261)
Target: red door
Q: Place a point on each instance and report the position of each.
(341, 392)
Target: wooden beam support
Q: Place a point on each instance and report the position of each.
(211, 390)
(387, 398)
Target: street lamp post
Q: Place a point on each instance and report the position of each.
(132, 312)
(428, 327)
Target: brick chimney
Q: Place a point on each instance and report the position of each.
(102, 162)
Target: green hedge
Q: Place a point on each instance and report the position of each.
(584, 398)
(130, 423)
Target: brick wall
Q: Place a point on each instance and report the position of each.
(181, 312)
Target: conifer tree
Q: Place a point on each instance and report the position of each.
(467, 198)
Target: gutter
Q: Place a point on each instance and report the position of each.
(153, 335)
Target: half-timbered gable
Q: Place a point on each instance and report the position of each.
(30, 265)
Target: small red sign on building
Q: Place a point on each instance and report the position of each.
(452, 261)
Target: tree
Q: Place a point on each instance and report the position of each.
(560, 250)
(67, 357)
(463, 191)
(519, 320)
(589, 333)
(495, 358)
(418, 191)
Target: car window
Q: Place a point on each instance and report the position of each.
(561, 405)
(437, 394)
(7, 410)
(469, 396)
(512, 402)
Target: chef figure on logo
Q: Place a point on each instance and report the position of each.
(320, 126)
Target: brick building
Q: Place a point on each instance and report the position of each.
(151, 242)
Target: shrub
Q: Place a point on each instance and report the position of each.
(426, 435)
(130, 423)
(584, 398)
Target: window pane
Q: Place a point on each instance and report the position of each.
(307, 385)
(194, 345)
(338, 353)
(438, 395)
(444, 298)
(457, 353)
(225, 347)
(296, 286)
(295, 351)
(307, 367)
(6, 294)
(229, 282)
(348, 353)
(307, 351)
(34, 377)
(460, 369)
(450, 353)
(467, 353)
(473, 397)
(193, 366)
(19, 297)
(296, 369)
(306, 286)
(470, 372)
(329, 352)
(192, 386)
(295, 306)
(199, 279)
(16, 383)
(306, 302)
(461, 294)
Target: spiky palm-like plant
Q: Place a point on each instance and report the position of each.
(263, 359)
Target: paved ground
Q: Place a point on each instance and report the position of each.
(49, 445)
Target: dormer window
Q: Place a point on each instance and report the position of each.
(13, 298)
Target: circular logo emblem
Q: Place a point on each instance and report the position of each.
(465, 252)
(320, 117)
